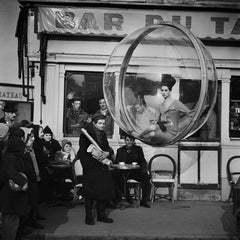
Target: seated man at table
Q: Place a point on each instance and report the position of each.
(130, 153)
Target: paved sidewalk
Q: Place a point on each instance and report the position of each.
(183, 220)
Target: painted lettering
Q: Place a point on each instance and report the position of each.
(64, 20)
(236, 28)
(152, 20)
(88, 21)
(188, 23)
(219, 24)
(11, 95)
(156, 19)
(113, 20)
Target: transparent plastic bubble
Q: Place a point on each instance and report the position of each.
(160, 84)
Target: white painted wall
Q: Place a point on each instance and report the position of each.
(9, 10)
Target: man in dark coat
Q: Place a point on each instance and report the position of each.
(76, 117)
(130, 153)
(14, 204)
(98, 183)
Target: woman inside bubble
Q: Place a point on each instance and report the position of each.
(174, 116)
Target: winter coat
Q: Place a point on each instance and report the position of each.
(98, 182)
(51, 148)
(14, 202)
(136, 155)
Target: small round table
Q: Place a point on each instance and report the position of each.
(125, 169)
(59, 172)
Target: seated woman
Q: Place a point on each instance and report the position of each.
(174, 116)
(51, 145)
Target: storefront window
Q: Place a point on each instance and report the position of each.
(83, 98)
(234, 107)
(210, 131)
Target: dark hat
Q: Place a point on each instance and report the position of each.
(47, 129)
(16, 132)
(98, 116)
(10, 108)
(26, 123)
(77, 98)
(168, 80)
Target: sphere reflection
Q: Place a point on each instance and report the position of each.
(160, 84)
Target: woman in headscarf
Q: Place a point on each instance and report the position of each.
(33, 173)
(51, 144)
(42, 161)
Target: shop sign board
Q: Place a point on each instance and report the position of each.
(12, 94)
(120, 22)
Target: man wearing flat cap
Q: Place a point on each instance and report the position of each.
(9, 115)
(98, 183)
(76, 117)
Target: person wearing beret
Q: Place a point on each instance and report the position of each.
(76, 117)
(9, 115)
(98, 182)
(169, 123)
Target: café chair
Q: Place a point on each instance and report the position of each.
(77, 180)
(162, 169)
(134, 188)
(233, 173)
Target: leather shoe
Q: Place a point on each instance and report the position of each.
(89, 221)
(145, 204)
(105, 219)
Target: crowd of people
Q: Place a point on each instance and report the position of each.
(27, 149)
(26, 180)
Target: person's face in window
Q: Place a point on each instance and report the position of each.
(76, 105)
(67, 148)
(40, 132)
(129, 142)
(102, 104)
(47, 137)
(165, 91)
(100, 124)
(30, 140)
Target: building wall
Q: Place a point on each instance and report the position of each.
(93, 55)
(9, 10)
